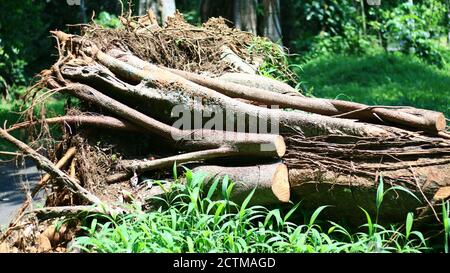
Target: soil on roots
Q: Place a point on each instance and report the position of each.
(177, 44)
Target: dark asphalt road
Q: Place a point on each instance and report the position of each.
(13, 180)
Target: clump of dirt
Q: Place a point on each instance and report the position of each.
(177, 44)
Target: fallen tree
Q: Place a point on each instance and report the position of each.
(319, 151)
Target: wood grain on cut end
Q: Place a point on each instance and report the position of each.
(280, 183)
(440, 122)
(271, 181)
(280, 146)
(442, 194)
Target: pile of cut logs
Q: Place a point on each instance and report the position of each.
(321, 151)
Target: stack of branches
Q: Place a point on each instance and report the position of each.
(128, 83)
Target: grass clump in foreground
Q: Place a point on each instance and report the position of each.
(192, 218)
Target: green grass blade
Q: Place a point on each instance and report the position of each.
(316, 213)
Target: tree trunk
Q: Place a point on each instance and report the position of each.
(216, 8)
(243, 13)
(245, 17)
(266, 145)
(83, 10)
(145, 5)
(448, 23)
(261, 82)
(161, 8)
(272, 26)
(308, 124)
(167, 8)
(346, 194)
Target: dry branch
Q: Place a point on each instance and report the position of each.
(45, 164)
(94, 121)
(72, 169)
(260, 82)
(235, 61)
(56, 212)
(138, 167)
(63, 161)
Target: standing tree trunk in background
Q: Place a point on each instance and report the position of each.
(161, 8)
(244, 14)
(83, 11)
(144, 5)
(448, 22)
(216, 8)
(272, 26)
(166, 8)
(363, 18)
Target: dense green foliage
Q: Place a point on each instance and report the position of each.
(192, 218)
(17, 35)
(276, 63)
(107, 20)
(353, 27)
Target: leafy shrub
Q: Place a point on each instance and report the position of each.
(108, 20)
(350, 43)
(331, 16)
(11, 68)
(275, 64)
(21, 24)
(353, 27)
(413, 26)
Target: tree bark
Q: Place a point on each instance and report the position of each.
(161, 8)
(421, 119)
(260, 82)
(347, 193)
(245, 17)
(94, 121)
(216, 8)
(228, 56)
(272, 26)
(139, 167)
(448, 22)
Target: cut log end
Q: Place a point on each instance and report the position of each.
(440, 122)
(280, 146)
(280, 183)
(271, 181)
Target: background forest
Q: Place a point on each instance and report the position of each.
(392, 53)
